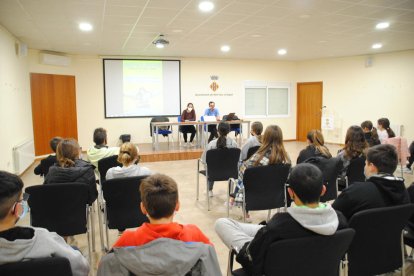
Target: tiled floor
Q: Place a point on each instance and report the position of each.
(192, 211)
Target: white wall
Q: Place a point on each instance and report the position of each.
(195, 79)
(353, 93)
(15, 100)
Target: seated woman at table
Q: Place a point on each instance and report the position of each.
(221, 142)
(188, 115)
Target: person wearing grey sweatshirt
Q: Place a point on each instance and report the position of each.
(25, 243)
(308, 217)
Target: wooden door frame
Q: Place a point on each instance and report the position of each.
(297, 97)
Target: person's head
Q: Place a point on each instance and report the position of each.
(273, 141)
(355, 143)
(256, 129)
(223, 129)
(306, 184)
(128, 154)
(381, 159)
(384, 123)
(211, 105)
(159, 196)
(54, 142)
(99, 136)
(316, 139)
(67, 152)
(367, 126)
(190, 106)
(12, 204)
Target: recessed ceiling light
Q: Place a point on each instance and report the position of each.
(376, 46)
(282, 52)
(225, 48)
(206, 6)
(159, 45)
(86, 27)
(382, 25)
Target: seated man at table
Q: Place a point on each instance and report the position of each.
(212, 111)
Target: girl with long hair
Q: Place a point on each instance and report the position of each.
(370, 133)
(128, 157)
(316, 147)
(221, 142)
(384, 129)
(70, 168)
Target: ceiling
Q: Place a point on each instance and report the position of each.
(254, 29)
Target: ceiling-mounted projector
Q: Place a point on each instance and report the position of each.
(160, 42)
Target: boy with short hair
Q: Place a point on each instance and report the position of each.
(159, 195)
(307, 218)
(100, 150)
(43, 168)
(24, 243)
(381, 189)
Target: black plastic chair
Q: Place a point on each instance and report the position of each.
(49, 266)
(314, 255)
(122, 204)
(264, 188)
(61, 208)
(105, 164)
(221, 165)
(378, 247)
(330, 168)
(251, 151)
(355, 172)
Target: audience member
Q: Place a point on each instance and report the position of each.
(100, 150)
(70, 168)
(370, 133)
(222, 142)
(381, 188)
(355, 146)
(24, 243)
(272, 151)
(308, 217)
(128, 157)
(212, 111)
(408, 169)
(384, 129)
(254, 140)
(43, 168)
(159, 195)
(188, 115)
(316, 147)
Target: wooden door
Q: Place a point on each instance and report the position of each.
(53, 109)
(309, 108)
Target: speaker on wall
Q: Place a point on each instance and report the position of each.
(21, 49)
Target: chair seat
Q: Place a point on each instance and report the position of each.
(160, 131)
(239, 272)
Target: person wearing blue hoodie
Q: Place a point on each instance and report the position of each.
(25, 243)
(306, 218)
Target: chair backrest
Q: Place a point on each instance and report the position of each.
(49, 266)
(355, 172)
(313, 255)
(159, 119)
(123, 200)
(265, 186)
(179, 118)
(330, 168)
(252, 151)
(222, 164)
(59, 208)
(376, 248)
(105, 164)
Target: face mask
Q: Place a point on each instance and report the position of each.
(25, 209)
(189, 108)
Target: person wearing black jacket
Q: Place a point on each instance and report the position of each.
(43, 168)
(72, 169)
(316, 147)
(307, 218)
(370, 133)
(381, 189)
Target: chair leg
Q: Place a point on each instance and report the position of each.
(88, 229)
(93, 211)
(101, 236)
(269, 212)
(106, 229)
(198, 177)
(207, 195)
(402, 254)
(228, 196)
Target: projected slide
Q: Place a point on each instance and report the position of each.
(141, 88)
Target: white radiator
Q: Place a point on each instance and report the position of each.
(23, 156)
